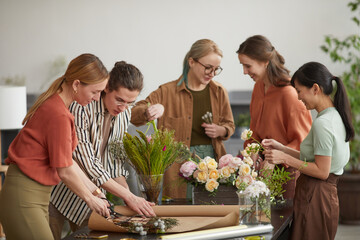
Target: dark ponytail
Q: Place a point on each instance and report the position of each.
(342, 105)
(314, 72)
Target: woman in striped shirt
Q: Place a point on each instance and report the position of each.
(97, 124)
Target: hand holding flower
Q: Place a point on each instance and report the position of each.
(154, 112)
(213, 130)
(274, 156)
(272, 144)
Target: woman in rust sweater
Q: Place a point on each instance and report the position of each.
(41, 154)
(275, 109)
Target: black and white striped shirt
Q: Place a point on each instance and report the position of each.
(89, 121)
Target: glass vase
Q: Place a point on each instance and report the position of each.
(254, 210)
(152, 186)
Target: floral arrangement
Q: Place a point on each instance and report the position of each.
(150, 154)
(237, 171)
(230, 171)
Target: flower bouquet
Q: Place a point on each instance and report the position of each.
(258, 186)
(150, 156)
(208, 174)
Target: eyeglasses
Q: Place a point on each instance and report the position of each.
(124, 104)
(210, 69)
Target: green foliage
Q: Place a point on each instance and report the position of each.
(242, 120)
(14, 81)
(347, 51)
(150, 155)
(274, 180)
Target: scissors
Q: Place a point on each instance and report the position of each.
(114, 214)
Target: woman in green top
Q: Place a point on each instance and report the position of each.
(323, 153)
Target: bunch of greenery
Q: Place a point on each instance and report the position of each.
(243, 120)
(274, 180)
(347, 51)
(150, 155)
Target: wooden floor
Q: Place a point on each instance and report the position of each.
(348, 232)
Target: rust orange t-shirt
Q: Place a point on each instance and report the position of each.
(278, 114)
(45, 143)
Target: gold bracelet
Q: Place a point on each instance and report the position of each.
(96, 192)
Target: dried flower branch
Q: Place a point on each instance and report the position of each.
(207, 118)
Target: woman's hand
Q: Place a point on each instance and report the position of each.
(140, 205)
(213, 130)
(274, 156)
(100, 206)
(271, 144)
(154, 112)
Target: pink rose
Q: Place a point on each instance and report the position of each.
(235, 162)
(225, 160)
(148, 138)
(188, 168)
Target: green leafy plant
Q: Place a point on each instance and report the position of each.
(274, 180)
(347, 51)
(152, 154)
(242, 120)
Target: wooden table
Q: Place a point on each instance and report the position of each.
(280, 220)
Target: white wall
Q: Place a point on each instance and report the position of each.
(156, 34)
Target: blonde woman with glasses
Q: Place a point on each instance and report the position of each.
(180, 105)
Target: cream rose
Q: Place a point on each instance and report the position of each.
(202, 176)
(225, 172)
(202, 166)
(244, 153)
(211, 185)
(214, 174)
(246, 134)
(248, 160)
(244, 170)
(211, 163)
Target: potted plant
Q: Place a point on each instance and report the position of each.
(347, 51)
(242, 121)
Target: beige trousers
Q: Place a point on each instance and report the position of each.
(24, 207)
(57, 221)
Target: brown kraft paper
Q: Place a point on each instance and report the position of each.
(190, 218)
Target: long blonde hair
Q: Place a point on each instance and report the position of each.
(87, 68)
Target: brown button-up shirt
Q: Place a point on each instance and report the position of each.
(178, 109)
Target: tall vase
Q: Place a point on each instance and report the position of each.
(254, 210)
(152, 186)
